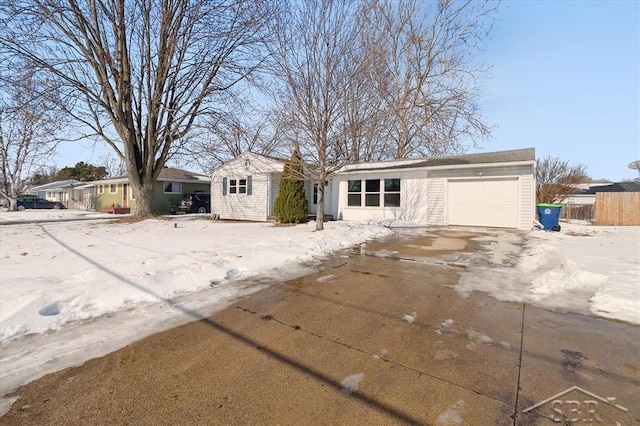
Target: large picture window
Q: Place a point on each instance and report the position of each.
(372, 193)
(377, 193)
(392, 192)
(354, 193)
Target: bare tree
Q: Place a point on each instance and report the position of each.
(312, 59)
(361, 114)
(114, 165)
(30, 124)
(139, 73)
(429, 87)
(223, 136)
(556, 179)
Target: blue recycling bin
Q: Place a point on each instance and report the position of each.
(549, 215)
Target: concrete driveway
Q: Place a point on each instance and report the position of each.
(377, 336)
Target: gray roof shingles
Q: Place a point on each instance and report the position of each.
(515, 155)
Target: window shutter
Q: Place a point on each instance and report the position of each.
(249, 185)
(224, 186)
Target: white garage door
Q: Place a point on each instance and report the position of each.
(483, 202)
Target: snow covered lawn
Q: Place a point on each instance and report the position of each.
(583, 268)
(53, 274)
(50, 215)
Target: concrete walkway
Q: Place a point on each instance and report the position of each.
(377, 336)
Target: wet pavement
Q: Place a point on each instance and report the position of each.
(378, 335)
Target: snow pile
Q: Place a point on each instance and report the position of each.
(350, 384)
(410, 318)
(587, 269)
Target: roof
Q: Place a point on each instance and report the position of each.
(515, 155)
(614, 187)
(167, 174)
(392, 164)
(56, 184)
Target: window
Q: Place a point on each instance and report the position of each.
(392, 192)
(354, 193)
(315, 193)
(100, 189)
(372, 193)
(172, 188)
(238, 186)
(113, 188)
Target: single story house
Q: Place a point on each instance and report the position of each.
(169, 189)
(493, 189)
(246, 188)
(586, 192)
(73, 193)
(53, 191)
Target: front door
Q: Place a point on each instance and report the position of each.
(125, 195)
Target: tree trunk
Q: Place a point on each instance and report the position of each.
(143, 193)
(320, 206)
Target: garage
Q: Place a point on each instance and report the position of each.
(483, 202)
(485, 189)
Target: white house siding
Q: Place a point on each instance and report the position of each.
(413, 192)
(237, 206)
(423, 194)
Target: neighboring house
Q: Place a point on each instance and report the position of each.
(169, 189)
(586, 192)
(54, 191)
(494, 189)
(72, 193)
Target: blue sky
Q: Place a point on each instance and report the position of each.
(565, 80)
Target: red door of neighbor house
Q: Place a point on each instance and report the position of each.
(125, 195)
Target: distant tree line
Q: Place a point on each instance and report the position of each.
(82, 172)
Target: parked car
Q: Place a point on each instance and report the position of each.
(38, 203)
(196, 203)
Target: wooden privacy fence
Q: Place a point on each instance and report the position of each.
(578, 211)
(618, 208)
